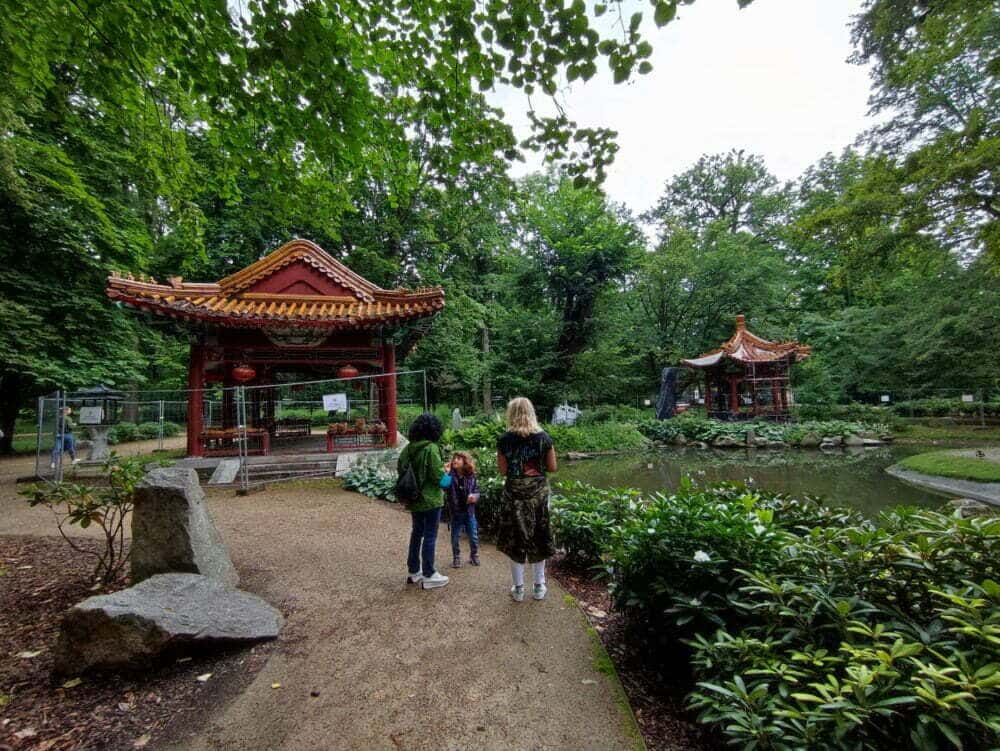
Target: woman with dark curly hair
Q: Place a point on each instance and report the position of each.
(423, 455)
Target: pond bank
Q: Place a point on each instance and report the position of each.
(852, 477)
(985, 492)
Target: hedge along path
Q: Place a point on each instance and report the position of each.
(366, 662)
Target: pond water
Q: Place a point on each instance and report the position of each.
(857, 479)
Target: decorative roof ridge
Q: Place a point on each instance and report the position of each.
(743, 337)
(152, 285)
(292, 251)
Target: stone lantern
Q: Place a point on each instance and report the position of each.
(99, 412)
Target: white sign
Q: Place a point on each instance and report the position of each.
(968, 398)
(647, 402)
(335, 402)
(885, 398)
(91, 415)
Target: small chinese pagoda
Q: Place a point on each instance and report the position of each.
(296, 312)
(747, 376)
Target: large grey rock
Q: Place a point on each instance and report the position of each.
(172, 530)
(726, 442)
(811, 440)
(967, 507)
(853, 440)
(166, 613)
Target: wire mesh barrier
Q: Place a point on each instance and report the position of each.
(302, 427)
(270, 432)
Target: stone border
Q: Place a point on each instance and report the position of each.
(986, 492)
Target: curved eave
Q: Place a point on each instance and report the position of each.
(196, 315)
(711, 359)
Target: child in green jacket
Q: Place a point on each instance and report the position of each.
(423, 454)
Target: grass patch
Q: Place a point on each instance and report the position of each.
(949, 464)
(919, 432)
(603, 665)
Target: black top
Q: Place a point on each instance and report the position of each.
(525, 455)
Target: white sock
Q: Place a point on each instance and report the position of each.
(538, 572)
(517, 573)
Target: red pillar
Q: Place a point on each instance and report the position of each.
(734, 395)
(196, 397)
(389, 367)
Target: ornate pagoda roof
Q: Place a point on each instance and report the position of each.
(745, 347)
(298, 284)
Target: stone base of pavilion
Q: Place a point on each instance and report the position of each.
(302, 459)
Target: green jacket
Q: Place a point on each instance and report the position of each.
(425, 458)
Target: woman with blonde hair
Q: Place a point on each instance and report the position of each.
(524, 455)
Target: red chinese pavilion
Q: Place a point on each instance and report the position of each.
(298, 311)
(748, 376)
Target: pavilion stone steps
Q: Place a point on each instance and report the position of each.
(292, 469)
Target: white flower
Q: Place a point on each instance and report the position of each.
(759, 529)
(695, 602)
(700, 556)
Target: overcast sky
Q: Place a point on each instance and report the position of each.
(772, 78)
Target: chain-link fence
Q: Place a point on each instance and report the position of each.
(284, 421)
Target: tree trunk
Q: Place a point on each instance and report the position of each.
(10, 398)
(487, 377)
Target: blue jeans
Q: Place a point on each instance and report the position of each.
(423, 538)
(466, 521)
(68, 443)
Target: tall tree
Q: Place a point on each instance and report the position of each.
(935, 64)
(578, 245)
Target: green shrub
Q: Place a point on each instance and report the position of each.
(612, 413)
(863, 637)
(853, 412)
(699, 428)
(372, 479)
(945, 408)
(815, 628)
(599, 437)
(584, 517)
(123, 432)
(105, 507)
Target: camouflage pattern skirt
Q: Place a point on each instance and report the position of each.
(524, 532)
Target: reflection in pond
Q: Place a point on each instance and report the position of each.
(855, 479)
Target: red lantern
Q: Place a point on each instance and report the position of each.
(348, 371)
(243, 373)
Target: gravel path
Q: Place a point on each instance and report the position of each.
(366, 662)
(394, 667)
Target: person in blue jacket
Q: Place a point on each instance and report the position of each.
(462, 493)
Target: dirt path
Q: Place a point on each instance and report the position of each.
(397, 667)
(367, 663)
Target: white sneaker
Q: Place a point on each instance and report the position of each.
(434, 581)
(538, 591)
(414, 578)
(76, 461)
(517, 592)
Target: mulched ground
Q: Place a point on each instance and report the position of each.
(657, 698)
(40, 578)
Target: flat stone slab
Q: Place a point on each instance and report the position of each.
(167, 612)
(225, 473)
(985, 492)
